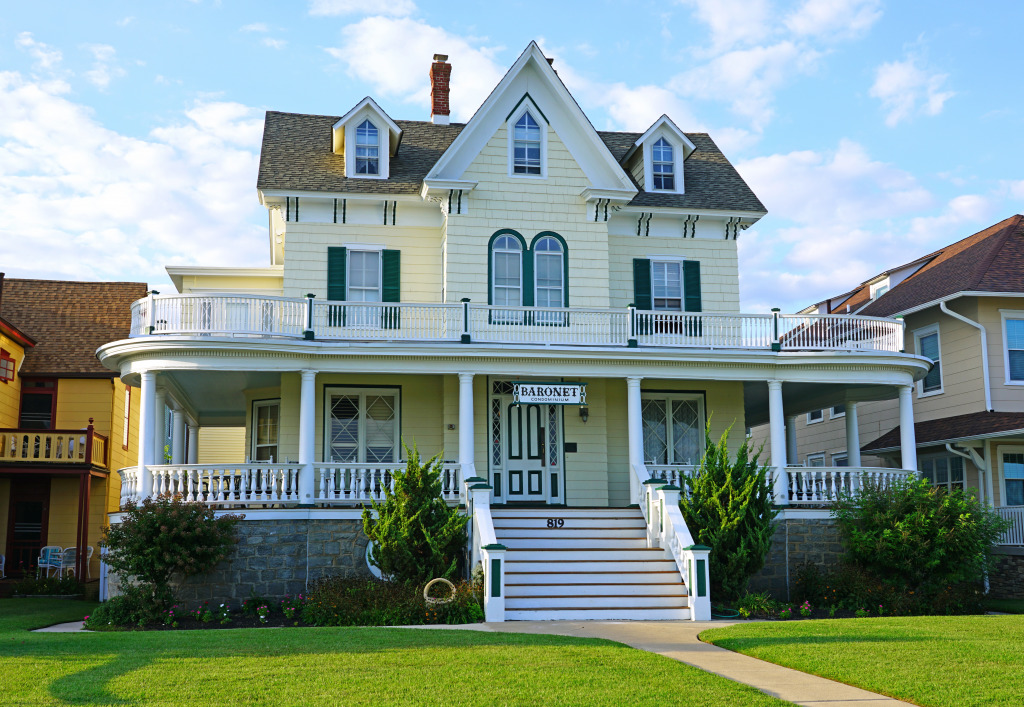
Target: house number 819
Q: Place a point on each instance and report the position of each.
(556, 522)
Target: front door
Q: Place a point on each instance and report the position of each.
(526, 450)
(27, 520)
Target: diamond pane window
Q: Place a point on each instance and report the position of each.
(687, 432)
(655, 427)
(367, 149)
(363, 425)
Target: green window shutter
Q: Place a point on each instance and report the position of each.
(391, 276)
(691, 286)
(642, 283)
(391, 286)
(336, 271)
(528, 298)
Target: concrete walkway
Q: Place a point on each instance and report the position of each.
(69, 627)
(678, 640)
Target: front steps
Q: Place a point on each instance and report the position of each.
(597, 566)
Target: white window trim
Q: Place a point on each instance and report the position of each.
(682, 282)
(510, 126)
(494, 269)
(949, 483)
(1005, 314)
(816, 455)
(1000, 450)
(380, 271)
(383, 145)
(819, 420)
(918, 335)
(833, 415)
(677, 157)
(127, 417)
(561, 270)
(841, 454)
(254, 422)
(669, 398)
(878, 285)
(362, 392)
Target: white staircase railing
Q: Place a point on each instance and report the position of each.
(667, 529)
(485, 548)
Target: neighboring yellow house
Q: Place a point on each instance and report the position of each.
(552, 309)
(65, 421)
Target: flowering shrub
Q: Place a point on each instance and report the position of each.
(292, 607)
(223, 614)
(263, 612)
(171, 617)
(805, 609)
(786, 613)
(862, 613)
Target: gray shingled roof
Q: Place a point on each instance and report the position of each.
(297, 155)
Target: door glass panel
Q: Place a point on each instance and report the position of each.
(496, 432)
(655, 431)
(380, 428)
(552, 436)
(345, 428)
(266, 432)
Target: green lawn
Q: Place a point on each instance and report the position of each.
(930, 660)
(333, 666)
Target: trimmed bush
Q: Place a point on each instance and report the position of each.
(921, 547)
(416, 536)
(367, 602)
(730, 509)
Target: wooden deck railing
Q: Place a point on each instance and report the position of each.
(250, 316)
(54, 446)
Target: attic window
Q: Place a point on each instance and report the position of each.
(663, 165)
(879, 288)
(367, 149)
(6, 366)
(526, 157)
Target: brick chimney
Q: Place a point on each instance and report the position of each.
(440, 74)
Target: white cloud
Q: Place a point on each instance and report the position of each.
(125, 21)
(96, 204)
(748, 78)
(46, 57)
(1016, 189)
(834, 18)
(397, 8)
(905, 89)
(254, 27)
(104, 68)
(963, 209)
(733, 22)
(274, 43)
(368, 54)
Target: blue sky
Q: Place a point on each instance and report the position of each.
(873, 131)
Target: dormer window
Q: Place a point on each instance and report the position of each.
(367, 149)
(663, 165)
(526, 148)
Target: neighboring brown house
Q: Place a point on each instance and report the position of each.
(66, 422)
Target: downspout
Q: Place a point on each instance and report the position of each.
(984, 350)
(981, 467)
(975, 459)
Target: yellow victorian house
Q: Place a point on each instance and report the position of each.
(65, 420)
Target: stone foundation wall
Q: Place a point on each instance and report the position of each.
(275, 557)
(796, 541)
(1006, 581)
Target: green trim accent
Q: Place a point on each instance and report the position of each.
(698, 547)
(476, 479)
(691, 286)
(391, 276)
(702, 580)
(655, 481)
(520, 102)
(642, 283)
(337, 258)
(529, 295)
(495, 577)
(486, 487)
(307, 335)
(493, 546)
(565, 261)
(776, 347)
(490, 260)
(670, 487)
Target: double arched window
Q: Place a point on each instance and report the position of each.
(534, 276)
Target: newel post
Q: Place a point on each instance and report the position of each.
(466, 338)
(632, 325)
(776, 344)
(698, 581)
(494, 581)
(88, 441)
(149, 311)
(308, 334)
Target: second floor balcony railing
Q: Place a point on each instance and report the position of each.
(18, 446)
(251, 316)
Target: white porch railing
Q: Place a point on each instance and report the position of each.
(296, 318)
(1015, 535)
(823, 485)
(338, 483)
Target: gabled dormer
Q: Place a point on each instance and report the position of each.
(657, 158)
(368, 139)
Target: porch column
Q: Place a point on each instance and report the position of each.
(193, 444)
(777, 440)
(634, 425)
(852, 436)
(467, 456)
(147, 430)
(159, 421)
(307, 427)
(791, 453)
(178, 437)
(908, 442)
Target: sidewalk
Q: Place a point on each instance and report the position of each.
(678, 640)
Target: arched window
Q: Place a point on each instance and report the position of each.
(507, 271)
(526, 146)
(549, 272)
(367, 149)
(663, 165)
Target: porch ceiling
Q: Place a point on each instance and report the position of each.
(218, 397)
(800, 398)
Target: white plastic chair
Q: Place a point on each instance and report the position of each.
(67, 561)
(49, 559)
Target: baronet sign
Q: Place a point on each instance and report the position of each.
(550, 393)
